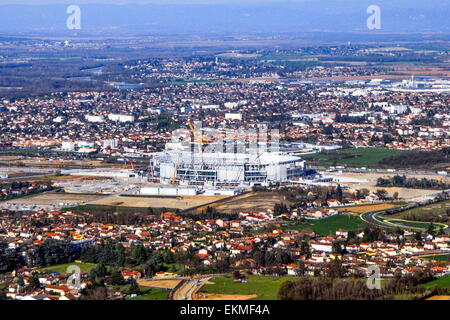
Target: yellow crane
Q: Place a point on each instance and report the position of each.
(174, 177)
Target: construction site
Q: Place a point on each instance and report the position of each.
(204, 160)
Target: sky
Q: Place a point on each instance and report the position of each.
(137, 1)
(239, 16)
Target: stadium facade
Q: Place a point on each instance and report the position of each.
(222, 169)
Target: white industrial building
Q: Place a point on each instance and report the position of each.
(121, 117)
(95, 118)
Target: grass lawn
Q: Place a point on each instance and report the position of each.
(363, 157)
(443, 282)
(441, 257)
(329, 225)
(413, 224)
(62, 268)
(152, 294)
(266, 287)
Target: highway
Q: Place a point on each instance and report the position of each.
(371, 217)
(187, 290)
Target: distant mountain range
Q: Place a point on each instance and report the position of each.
(282, 17)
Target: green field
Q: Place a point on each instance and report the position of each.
(266, 287)
(152, 294)
(62, 268)
(364, 157)
(413, 225)
(441, 257)
(443, 282)
(329, 225)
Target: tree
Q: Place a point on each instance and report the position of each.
(430, 229)
(300, 270)
(286, 291)
(328, 130)
(339, 195)
(237, 275)
(134, 287)
(33, 283)
(305, 249)
(101, 270)
(418, 236)
(395, 195)
(94, 293)
(116, 279)
(335, 269)
(337, 247)
(381, 194)
(362, 193)
(399, 231)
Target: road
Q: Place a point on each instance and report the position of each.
(371, 217)
(189, 288)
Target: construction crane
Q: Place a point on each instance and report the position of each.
(197, 139)
(128, 166)
(174, 176)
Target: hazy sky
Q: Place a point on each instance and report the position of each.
(137, 1)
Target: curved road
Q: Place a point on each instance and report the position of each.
(188, 289)
(371, 217)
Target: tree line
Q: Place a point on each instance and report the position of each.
(417, 159)
(330, 288)
(413, 183)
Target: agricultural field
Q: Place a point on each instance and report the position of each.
(62, 268)
(253, 201)
(257, 287)
(367, 208)
(330, 225)
(364, 157)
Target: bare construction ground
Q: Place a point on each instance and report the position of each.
(53, 199)
(254, 201)
(215, 296)
(181, 203)
(162, 284)
(369, 181)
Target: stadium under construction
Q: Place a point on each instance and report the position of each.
(225, 169)
(208, 159)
